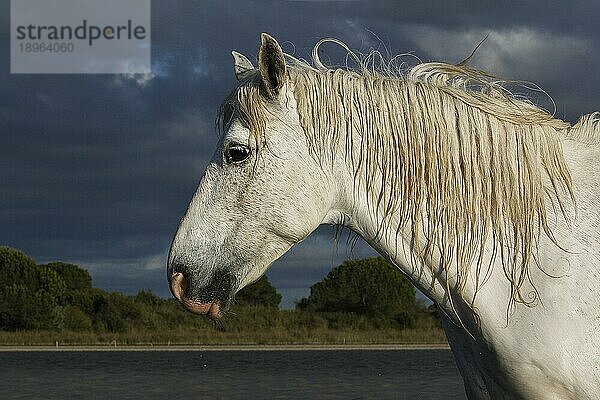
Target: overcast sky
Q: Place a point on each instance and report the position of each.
(97, 170)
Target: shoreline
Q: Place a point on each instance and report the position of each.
(276, 347)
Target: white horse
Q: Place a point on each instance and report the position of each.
(486, 202)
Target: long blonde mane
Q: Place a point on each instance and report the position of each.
(444, 150)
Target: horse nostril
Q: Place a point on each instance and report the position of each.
(178, 285)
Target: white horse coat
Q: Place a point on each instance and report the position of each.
(486, 202)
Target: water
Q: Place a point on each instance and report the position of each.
(345, 374)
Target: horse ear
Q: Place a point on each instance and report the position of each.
(243, 67)
(271, 64)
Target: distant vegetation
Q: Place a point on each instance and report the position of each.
(361, 301)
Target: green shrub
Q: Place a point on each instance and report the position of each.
(369, 287)
(259, 293)
(76, 320)
(30, 295)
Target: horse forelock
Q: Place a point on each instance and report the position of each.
(248, 103)
(445, 151)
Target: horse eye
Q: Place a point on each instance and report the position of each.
(236, 152)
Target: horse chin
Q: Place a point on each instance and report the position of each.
(212, 309)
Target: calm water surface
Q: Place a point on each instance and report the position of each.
(346, 374)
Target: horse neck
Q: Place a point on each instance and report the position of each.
(355, 209)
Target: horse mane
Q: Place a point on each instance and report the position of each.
(445, 151)
(587, 129)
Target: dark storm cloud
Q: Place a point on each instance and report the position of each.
(98, 169)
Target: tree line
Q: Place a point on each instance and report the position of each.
(58, 296)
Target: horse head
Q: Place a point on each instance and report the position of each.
(262, 192)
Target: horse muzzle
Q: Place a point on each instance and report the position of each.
(179, 285)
